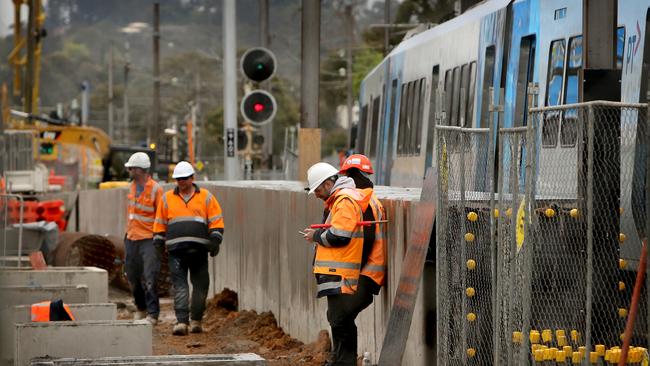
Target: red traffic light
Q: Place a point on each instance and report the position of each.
(258, 107)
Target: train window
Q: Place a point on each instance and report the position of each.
(449, 82)
(402, 119)
(418, 126)
(472, 92)
(555, 73)
(464, 96)
(391, 117)
(524, 76)
(568, 132)
(620, 47)
(435, 76)
(361, 133)
(415, 107)
(455, 100)
(488, 81)
(374, 128)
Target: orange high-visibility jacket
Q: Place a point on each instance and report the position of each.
(141, 210)
(375, 266)
(41, 311)
(337, 263)
(196, 222)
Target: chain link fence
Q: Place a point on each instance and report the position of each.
(463, 250)
(542, 270)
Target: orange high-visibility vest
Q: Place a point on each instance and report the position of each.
(141, 210)
(375, 267)
(196, 221)
(41, 311)
(345, 261)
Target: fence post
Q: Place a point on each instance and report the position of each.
(589, 124)
(492, 134)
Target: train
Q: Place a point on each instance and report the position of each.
(444, 75)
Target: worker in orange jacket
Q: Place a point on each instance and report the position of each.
(373, 263)
(189, 224)
(142, 262)
(338, 258)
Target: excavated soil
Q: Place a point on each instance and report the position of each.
(227, 330)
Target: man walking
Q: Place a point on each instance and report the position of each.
(339, 252)
(142, 260)
(189, 224)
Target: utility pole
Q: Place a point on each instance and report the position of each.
(349, 25)
(127, 66)
(309, 136)
(111, 132)
(265, 41)
(197, 112)
(387, 29)
(230, 89)
(154, 126)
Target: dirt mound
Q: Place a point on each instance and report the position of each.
(227, 330)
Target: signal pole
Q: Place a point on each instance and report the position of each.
(154, 126)
(230, 89)
(349, 23)
(265, 41)
(111, 133)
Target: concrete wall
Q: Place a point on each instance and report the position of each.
(95, 278)
(23, 295)
(88, 339)
(22, 314)
(266, 261)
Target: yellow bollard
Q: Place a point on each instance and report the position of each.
(534, 337)
(574, 213)
(509, 212)
(575, 336)
(547, 336)
(469, 237)
(472, 216)
(471, 317)
(600, 349)
(496, 212)
(568, 351)
(539, 355)
(517, 337)
(593, 357)
(582, 350)
(471, 352)
(470, 292)
(549, 212)
(575, 358)
(560, 356)
(561, 340)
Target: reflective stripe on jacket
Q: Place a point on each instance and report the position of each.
(375, 266)
(196, 222)
(41, 312)
(337, 266)
(141, 210)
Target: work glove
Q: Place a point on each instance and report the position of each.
(214, 250)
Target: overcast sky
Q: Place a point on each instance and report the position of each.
(6, 16)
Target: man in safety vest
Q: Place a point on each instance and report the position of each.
(142, 259)
(338, 259)
(189, 224)
(373, 263)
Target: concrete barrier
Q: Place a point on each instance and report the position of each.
(83, 339)
(246, 359)
(23, 295)
(266, 261)
(95, 278)
(12, 261)
(9, 316)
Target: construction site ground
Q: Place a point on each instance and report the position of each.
(228, 330)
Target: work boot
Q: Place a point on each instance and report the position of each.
(180, 329)
(151, 319)
(139, 315)
(195, 326)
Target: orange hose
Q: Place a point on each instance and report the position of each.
(629, 326)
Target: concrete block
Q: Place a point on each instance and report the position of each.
(9, 316)
(23, 295)
(95, 278)
(246, 359)
(83, 339)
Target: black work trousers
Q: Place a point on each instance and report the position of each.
(194, 261)
(342, 311)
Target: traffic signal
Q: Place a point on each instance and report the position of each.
(258, 107)
(258, 64)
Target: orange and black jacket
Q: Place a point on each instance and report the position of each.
(197, 223)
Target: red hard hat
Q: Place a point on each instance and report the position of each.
(358, 161)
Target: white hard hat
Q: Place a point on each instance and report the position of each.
(138, 160)
(318, 173)
(183, 170)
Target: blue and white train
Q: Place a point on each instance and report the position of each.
(503, 44)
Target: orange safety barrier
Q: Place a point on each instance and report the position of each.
(29, 211)
(50, 210)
